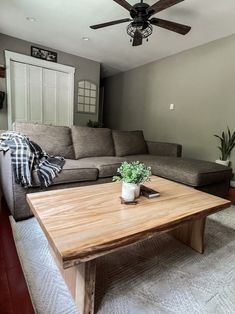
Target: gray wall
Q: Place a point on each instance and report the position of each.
(85, 69)
(201, 84)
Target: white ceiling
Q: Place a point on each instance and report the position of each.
(62, 24)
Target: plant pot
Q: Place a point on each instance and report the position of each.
(130, 191)
(223, 162)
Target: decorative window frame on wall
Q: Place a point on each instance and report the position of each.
(87, 97)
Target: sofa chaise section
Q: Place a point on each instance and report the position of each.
(202, 175)
(161, 157)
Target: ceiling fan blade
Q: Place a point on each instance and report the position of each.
(162, 5)
(110, 23)
(137, 40)
(125, 4)
(171, 26)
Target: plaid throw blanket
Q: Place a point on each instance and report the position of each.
(27, 156)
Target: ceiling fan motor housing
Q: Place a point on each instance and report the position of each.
(140, 15)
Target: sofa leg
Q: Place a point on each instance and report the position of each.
(191, 234)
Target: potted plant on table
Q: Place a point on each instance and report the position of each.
(227, 143)
(132, 174)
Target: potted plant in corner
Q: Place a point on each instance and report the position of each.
(227, 143)
(132, 174)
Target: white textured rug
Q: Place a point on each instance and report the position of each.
(160, 275)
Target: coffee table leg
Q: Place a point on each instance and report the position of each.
(191, 234)
(85, 287)
(80, 280)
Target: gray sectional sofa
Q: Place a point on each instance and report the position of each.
(93, 156)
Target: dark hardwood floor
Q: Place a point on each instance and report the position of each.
(14, 296)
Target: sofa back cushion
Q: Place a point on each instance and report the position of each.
(129, 143)
(92, 142)
(55, 140)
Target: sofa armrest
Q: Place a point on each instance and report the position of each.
(164, 149)
(6, 179)
(13, 193)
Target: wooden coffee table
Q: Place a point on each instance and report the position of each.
(84, 223)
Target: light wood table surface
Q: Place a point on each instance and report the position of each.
(84, 223)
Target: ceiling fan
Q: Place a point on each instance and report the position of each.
(141, 21)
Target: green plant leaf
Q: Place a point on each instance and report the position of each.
(227, 143)
(133, 172)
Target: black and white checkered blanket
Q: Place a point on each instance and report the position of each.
(27, 156)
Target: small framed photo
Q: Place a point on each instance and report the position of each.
(43, 54)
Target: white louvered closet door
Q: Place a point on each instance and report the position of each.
(19, 91)
(49, 96)
(40, 95)
(35, 93)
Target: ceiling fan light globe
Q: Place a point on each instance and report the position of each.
(144, 30)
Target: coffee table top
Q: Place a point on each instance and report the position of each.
(86, 222)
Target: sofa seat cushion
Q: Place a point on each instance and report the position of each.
(129, 143)
(92, 142)
(107, 166)
(188, 171)
(55, 140)
(72, 172)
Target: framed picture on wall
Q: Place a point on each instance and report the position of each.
(43, 54)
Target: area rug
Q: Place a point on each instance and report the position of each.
(160, 275)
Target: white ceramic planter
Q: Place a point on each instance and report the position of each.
(223, 162)
(137, 190)
(130, 191)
